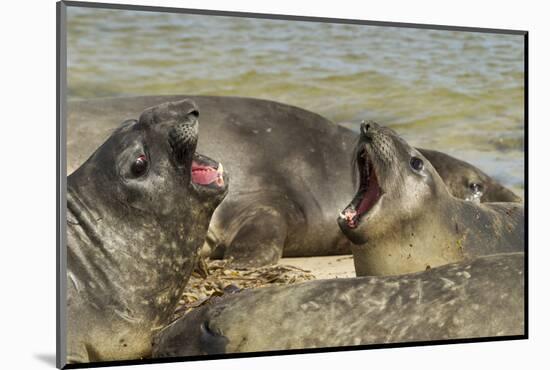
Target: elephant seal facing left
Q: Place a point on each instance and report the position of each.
(404, 219)
(137, 213)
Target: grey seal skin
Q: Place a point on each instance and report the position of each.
(137, 213)
(404, 219)
(289, 170)
(471, 299)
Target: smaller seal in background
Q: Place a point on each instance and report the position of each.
(468, 182)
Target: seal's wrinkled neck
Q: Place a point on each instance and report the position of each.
(115, 249)
(81, 213)
(410, 245)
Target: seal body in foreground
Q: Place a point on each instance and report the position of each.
(289, 169)
(479, 298)
(137, 213)
(403, 218)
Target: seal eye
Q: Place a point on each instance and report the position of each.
(139, 167)
(476, 188)
(417, 164)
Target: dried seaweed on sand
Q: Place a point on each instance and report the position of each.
(212, 279)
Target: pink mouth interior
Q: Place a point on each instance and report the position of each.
(371, 195)
(204, 175)
(367, 199)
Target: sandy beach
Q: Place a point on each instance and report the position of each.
(213, 279)
(326, 267)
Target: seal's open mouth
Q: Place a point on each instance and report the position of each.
(368, 194)
(205, 172)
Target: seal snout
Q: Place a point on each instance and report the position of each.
(185, 109)
(179, 111)
(368, 129)
(170, 113)
(183, 135)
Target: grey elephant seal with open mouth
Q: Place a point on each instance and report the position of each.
(137, 213)
(403, 218)
(471, 299)
(289, 169)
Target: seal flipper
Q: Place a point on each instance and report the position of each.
(259, 240)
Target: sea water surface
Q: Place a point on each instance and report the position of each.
(458, 92)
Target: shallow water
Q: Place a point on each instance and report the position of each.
(459, 92)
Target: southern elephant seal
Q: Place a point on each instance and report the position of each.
(403, 218)
(137, 213)
(468, 182)
(471, 299)
(289, 169)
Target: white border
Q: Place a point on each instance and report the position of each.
(28, 181)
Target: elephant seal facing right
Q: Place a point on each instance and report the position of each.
(137, 213)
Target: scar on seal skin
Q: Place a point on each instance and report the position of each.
(137, 213)
(289, 172)
(404, 219)
(483, 297)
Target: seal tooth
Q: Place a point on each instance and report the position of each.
(220, 169)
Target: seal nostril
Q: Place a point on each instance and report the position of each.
(194, 112)
(364, 127)
(367, 129)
